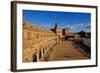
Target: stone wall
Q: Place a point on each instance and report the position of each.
(86, 42)
(37, 42)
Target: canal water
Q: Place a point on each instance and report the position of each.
(84, 48)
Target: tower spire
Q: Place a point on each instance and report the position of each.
(56, 25)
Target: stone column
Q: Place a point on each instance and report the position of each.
(37, 54)
(42, 52)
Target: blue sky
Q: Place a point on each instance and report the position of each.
(47, 19)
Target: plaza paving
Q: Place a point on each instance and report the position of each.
(66, 51)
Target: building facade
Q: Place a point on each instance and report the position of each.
(38, 42)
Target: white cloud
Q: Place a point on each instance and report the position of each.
(79, 27)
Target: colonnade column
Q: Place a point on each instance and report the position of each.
(37, 55)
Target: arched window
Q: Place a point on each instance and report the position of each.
(29, 35)
(34, 58)
(39, 54)
(43, 50)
